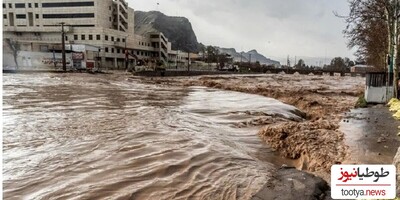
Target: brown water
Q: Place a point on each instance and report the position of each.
(79, 136)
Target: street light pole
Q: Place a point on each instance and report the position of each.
(63, 47)
(126, 55)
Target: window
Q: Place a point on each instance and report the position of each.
(112, 50)
(137, 52)
(83, 37)
(90, 37)
(75, 37)
(10, 5)
(4, 16)
(37, 16)
(118, 50)
(29, 5)
(110, 19)
(106, 37)
(36, 5)
(83, 25)
(112, 38)
(66, 38)
(68, 4)
(19, 5)
(98, 37)
(72, 15)
(4, 5)
(118, 40)
(20, 16)
(106, 49)
(123, 40)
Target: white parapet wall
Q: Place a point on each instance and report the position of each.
(378, 94)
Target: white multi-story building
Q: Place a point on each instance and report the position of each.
(106, 24)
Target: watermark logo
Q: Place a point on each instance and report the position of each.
(363, 181)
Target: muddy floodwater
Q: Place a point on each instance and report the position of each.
(79, 136)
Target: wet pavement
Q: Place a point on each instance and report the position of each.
(79, 136)
(371, 134)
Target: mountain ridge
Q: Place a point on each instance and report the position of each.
(246, 56)
(180, 33)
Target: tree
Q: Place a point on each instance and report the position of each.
(338, 64)
(212, 54)
(15, 47)
(300, 64)
(372, 27)
(348, 63)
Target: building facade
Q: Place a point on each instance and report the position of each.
(35, 25)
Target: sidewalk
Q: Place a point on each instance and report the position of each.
(371, 134)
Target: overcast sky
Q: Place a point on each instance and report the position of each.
(306, 29)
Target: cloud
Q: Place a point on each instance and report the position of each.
(276, 28)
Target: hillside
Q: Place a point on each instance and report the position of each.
(178, 30)
(245, 56)
(180, 33)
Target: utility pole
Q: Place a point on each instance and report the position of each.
(126, 55)
(395, 49)
(99, 60)
(63, 47)
(250, 59)
(54, 59)
(393, 39)
(188, 61)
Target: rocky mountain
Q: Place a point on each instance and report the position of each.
(180, 33)
(178, 30)
(246, 56)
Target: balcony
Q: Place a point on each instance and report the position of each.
(122, 18)
(124, 4)
(122, 28)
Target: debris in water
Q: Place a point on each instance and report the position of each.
(316, 143)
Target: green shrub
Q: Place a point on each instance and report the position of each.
(361, 102)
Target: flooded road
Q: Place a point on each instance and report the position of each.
(79, 136)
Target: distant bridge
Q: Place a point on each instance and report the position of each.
(269, 71)
(315, 72)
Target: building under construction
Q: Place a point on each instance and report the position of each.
(35, 26)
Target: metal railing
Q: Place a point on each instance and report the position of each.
(379, 79)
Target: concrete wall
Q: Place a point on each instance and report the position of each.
(28, 60)
(377, 94)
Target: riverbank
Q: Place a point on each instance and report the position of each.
(64, 133)
(316, 143)
(165, 135)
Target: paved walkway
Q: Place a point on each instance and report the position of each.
(371, 134)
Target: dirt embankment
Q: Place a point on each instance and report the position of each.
(316, 141)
